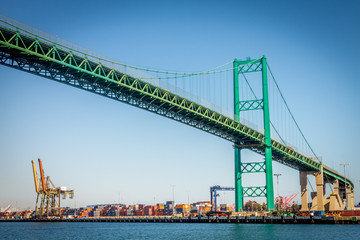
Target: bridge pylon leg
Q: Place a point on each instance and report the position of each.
(239, 196)
(268, 190)
(267, 139)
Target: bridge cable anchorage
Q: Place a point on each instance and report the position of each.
(292, 116)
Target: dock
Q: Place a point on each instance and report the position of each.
(233, 220)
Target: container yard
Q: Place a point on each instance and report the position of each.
(47, 208)
(199, 212)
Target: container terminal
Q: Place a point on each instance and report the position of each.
(27, 49)
(47, 208)
(181, 213)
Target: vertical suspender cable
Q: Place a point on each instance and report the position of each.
(287, 107)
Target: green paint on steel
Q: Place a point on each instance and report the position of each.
(253, 167)
(254, 191)
(25, 51)
(257, 65)
(239, 196)
(253, 65)
(251, 105)
(268, 147)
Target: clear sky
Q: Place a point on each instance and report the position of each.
(105, 149)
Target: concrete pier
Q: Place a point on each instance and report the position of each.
(336, 201)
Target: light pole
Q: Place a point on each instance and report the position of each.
(188, 196)
(277, 181)
(173, 186)
(345, 164)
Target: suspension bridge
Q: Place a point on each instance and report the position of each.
(232, 101)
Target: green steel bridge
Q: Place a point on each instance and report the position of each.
(34, 53)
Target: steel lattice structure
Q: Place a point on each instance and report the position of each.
(31, 53)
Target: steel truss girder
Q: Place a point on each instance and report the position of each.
(27, 53)
(230, 129)
(110, 93)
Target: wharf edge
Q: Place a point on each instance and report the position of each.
(257, 220)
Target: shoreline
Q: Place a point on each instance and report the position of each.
(233, 220)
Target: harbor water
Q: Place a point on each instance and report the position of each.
(113, 230)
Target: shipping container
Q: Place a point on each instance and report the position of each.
(348, 213)
(160, 214)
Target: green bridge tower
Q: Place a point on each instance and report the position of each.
(241, 67)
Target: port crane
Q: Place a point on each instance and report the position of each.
(285, 201)
(48, 196)
(6, 209)
(214, 195)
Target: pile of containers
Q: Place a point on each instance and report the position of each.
(225, 208)
(117, 210)
(200, 207)
(182, 208)
(169, 208)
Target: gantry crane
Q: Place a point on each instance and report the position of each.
(214, 195)
(48, 196)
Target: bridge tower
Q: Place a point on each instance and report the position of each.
(242, 67)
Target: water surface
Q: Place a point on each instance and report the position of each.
(115, 230)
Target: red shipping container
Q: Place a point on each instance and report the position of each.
(350, 213)
(159, 213)
(139, 213)
(148, 212)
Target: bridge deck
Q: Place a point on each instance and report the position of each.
(27, 52)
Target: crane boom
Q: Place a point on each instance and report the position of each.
(48, 195)
(35, 177)
(42, 175)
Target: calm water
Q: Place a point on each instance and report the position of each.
(9, 230)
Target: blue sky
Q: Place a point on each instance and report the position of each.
(101, 148)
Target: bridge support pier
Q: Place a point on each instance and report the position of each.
(349, 198)
(318, 201)
(304, 191)
(336, 202)
(320, 190)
